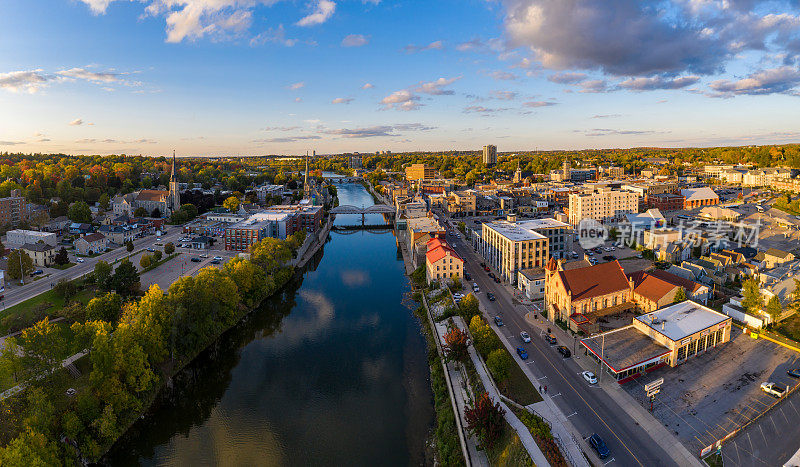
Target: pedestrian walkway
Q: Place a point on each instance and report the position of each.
(21, 387)
(666, 440)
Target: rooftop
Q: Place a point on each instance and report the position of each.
(38, 247)
(649, 286)
(693, 194)
(682, 319)
(624, 347)
(594, 281)
(513, 231)
(545, 223)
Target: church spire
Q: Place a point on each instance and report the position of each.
(172, 177)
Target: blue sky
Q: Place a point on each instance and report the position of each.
(216, 77)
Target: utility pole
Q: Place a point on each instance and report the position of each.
(602, 356)
(21, 269)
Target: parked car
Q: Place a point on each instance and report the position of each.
(491, 274)
(486, 268)
(37, 272)
(599, 445)
(774, 389)
(551, 339)
(491, 297)
(467, 276)
(483, 265)
(794, 372)
(80, 260)
(151, 249)
(204, 255)
(218, 258)
(564, 351)
(498, 320)
(525, 337)
(589, 377)
(523, 354)
(497, 279)
(215, 261)
(195, 259)
(609, 258)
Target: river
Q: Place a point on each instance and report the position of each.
(330, 371)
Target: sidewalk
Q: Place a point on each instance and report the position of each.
(522, 431)
(666, 440)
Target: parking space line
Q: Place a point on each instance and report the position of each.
(612, 460)
(738, 457)
(573, 413)
(762, 435)
(750, 441)
(784, 416)
(795, 408)
(773, 423)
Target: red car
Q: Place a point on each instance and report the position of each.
(486, 268)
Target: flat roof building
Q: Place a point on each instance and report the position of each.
(668, 336)
(509, 247)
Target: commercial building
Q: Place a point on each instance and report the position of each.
(21, 237)
(13, 209)
(509, 247)
(241, 235)
(651, 292)
(416, 172)
(666, 202)
(304, 216)
(531, 283)
(603, 205)
(442, 262)
(490, 154)
(697, 197)
(42, 254)
(669, 336)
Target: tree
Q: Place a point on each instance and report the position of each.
(30, 448)
(456, 345)
(65, 289)
(485, 420)
(157, 255)
(40, 218)
(19, 264)
(44, 346)
(774, 308)
(102, 274)
(169, 248)
(129, 246)
(125, 279)
(145, 261)
(753, 302)
(62, 257)
(156, 213)
(231, 204)
(80, 212)
(105, 308)
(469, 307)
(499, 364)
(140, 212)
(104, 201)
(680, 295)
(485, 338)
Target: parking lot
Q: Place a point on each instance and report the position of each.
(718, 392)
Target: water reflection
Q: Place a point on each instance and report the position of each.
(330, 372)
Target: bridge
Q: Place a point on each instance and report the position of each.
(344, 179)
(374, 209)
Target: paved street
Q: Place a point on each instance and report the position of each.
(16, 294)
(588, 408)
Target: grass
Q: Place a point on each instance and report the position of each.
(508, 450)
(714, 460)
(540, 431)
(62, 266)
(159, 263)
(790, 327)
(35, 308)
(519, 387)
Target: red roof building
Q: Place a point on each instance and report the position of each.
(592, 291)
(442, 261)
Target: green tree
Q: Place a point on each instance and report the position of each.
(169, 248)
(157, 255)
(680, 295)
(231, 204)
(753, 302)
(44, 346)
(104, 308)
(140, 212)
(774, 308)
(62, 257)
(499, 363)
(65, 289)
(80, 212)
(125, 280)
(19, 264)
(30, 448)
(129, 246)
(102, 274)
(104, 201)
(145, 261)
(469, 307)
(485, 338)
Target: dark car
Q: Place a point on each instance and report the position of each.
(483, 265)
(497, 279)
(523, 354)
(195, 260)
(491, 274)
(609, 258)
(795, 372)
(498, 320)
(467, 276)
(599, 445)
(37, 272)
(491, 297)
(563, 351)
(215, 261)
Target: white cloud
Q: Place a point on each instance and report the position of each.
(402, 100)
(412, 48)
(296, 86)
(504, 95)
(776, 80)
(97, 6)
(367, 86)
(322, 12)
(76, 122)
(539, 103)
(503, 75)
(342, 100)
(95, 77)
(354, 40)
(274, 36)
(28, 81)
(435, 87)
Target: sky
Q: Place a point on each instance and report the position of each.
(253, 77)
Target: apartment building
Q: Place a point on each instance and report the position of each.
(416, 172)
(241, 235)
(490, 154)
(21, 237)
(603, 205)
(13, 209)
(508, 248)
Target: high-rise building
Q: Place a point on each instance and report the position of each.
(518, 174)
(13, 209)
(355, 161)
(565, 170)
(420, 172)
(490, 154)
(603, 205)
(508, 248)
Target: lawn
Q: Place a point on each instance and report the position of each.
(790, 327)
(63, 266)
(519, 388)
(34, 309)
(509, 450)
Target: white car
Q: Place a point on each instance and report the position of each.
(589, 377)
(218, 258)
(80, 260)
(526, 338)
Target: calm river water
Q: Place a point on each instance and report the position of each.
(331, 371)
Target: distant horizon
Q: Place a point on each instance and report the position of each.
(222, 78)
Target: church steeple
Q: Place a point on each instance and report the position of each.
(172, 176)
(174, 200)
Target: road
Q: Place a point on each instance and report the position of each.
(588, 407)
(18, 294)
